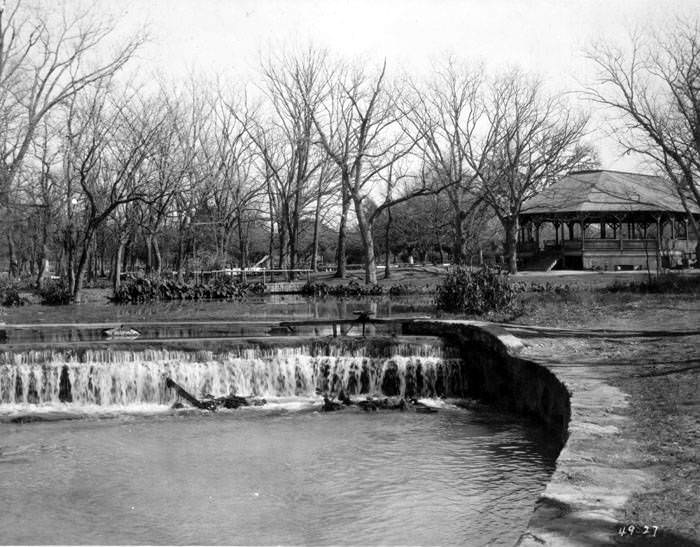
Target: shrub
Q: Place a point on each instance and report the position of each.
(399, 290)
(9, 296)
(484, 291)
(312, 288)
(55, 293)
(144, 289)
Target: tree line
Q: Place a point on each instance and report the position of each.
(319, 158)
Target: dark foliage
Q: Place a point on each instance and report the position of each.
(480, 292)
(315, 288)
(55, 293)
(661, 284)
(9, 296)
(351, 289)
(144, 289)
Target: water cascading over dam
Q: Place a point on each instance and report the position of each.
(123, 378)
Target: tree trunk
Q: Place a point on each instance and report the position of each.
(116, 282)
(14, 267)
(283, 245)
(511, 229)
(43, 265)
(180, 256)
(294, 233)
(458, 246)
(157, 258)
(387, 257)
(341, 252)
(367, 243)
(271, 244)
(243, 248)
(149, 253)
(82, 265)
(317, 223)
(70, 261)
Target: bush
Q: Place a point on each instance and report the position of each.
(55, 293)
(9, 296)
(312, 288)
(144, 289)
(484, 291)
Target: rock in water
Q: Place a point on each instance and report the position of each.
(330, 406)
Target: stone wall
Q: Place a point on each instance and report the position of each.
(495, 374)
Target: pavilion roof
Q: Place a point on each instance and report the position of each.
(601, 191)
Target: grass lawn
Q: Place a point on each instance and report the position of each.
(651, 351)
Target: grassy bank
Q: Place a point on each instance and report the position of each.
(647, 345)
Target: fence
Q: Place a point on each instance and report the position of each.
(265, 274)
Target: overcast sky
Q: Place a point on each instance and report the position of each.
(543, 36)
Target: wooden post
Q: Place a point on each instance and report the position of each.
(619, 235)
(583, 235)
(673, 231)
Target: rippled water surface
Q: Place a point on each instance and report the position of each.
(271, 476)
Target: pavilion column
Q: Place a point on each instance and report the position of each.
(583, 234)
(537, 235)
(673, 230)
(602, 229)
(556, 233)
(619, 235)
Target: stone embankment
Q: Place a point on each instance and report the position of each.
(598, 469)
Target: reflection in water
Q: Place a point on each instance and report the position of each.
(271, 307)
(255, 317)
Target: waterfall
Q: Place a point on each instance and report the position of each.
(106, 377)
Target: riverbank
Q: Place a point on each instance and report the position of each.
(636, 363)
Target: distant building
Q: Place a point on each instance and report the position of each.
(606, 220)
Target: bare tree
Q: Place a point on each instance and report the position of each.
(446, 111)
(655, 85)
(525, 141)
(109, 140)
(236, 189)
(360, 127)
(285, 142)
(45, 59)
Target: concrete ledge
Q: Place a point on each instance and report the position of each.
(596, 470)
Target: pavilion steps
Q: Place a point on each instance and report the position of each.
(542, 262)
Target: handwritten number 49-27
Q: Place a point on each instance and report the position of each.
(637, 530)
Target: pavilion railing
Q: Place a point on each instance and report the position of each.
(603, 245)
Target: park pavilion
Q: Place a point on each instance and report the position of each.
(606, 220)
